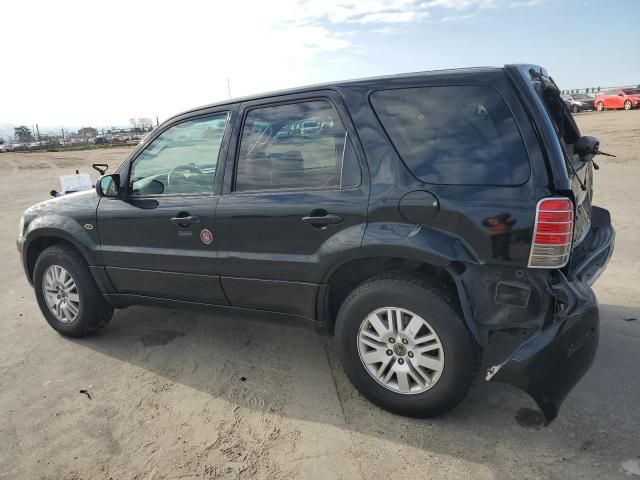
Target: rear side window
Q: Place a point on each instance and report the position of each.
(454, 135)
(295, 146)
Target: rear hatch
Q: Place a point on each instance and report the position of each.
(580, 173)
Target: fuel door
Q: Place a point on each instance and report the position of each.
(419, 207)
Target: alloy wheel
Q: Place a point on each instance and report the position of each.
(61, 294)
(400, 350)
(627, 105)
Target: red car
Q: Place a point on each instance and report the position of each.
(626, 98)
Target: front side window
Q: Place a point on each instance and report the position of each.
(454, 135)
(295, 146)
(181, 160)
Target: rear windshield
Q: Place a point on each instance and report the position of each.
(631, 91)
(454, 135)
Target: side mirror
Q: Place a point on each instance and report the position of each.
(109, 186)
(621, 95)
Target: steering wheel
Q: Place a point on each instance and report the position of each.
(172, 177)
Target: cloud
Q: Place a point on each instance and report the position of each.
(458, 18)
(147, 57)
(527, 3)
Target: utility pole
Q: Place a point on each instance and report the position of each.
(38, 130)
(157, 122)
(229, 88)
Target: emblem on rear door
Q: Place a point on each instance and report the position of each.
(206, 236)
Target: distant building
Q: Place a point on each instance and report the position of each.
(88, 132)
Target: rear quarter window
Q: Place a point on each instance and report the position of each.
(454, 135)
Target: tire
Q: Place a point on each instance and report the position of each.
(80, 318)
(575, 109)
(627, 105)
(600, 106)
(458, 353)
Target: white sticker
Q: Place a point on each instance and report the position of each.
(75, 183)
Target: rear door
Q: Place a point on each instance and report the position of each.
(294, 201)
(158, 241)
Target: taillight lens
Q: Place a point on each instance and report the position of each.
(552, 233)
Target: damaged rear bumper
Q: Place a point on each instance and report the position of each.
(551, 362)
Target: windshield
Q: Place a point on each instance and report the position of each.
(581, 96)
(632, 91)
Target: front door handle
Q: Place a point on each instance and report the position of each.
(185, 221)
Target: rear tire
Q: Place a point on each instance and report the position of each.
(627, 105)
(600, 107)
(575, 109)
(397, 383)
(67, 293)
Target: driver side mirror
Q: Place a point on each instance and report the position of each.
(109, 186)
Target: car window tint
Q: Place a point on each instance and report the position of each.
(295, 146)
(463, 135)
(181, 160)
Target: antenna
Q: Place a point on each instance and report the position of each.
(229, 88)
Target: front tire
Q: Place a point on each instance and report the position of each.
(574, 109)
(67, 293)
(627, 105)
(405, 347)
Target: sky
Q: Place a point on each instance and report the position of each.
(100, 63)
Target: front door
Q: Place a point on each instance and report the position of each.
(159, 241)
(295, 201)
(614, 99)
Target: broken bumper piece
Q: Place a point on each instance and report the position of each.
(549, 364)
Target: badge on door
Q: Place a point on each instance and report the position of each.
(206, 236)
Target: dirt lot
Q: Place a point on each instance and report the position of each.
(194, 395)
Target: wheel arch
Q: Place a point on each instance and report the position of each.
(38, 243)
(345, 277)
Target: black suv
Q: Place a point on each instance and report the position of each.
(426, 212)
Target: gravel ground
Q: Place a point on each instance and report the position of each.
(183, 395)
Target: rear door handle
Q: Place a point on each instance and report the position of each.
(321, 220)
(186, 220)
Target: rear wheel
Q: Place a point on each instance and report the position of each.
(627, 105)
(404, 346)
(575, 109)
(67, 294)
(600, 106)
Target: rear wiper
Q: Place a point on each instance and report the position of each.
(588, 147)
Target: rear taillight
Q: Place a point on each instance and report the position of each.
(552, 233)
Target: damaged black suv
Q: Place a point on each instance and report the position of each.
(411, 216)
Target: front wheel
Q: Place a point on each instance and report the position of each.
(575, 109)
(404, 346)
(67, 294)
(627, 105)
(600, 106)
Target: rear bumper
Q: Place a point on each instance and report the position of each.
(551, 361)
